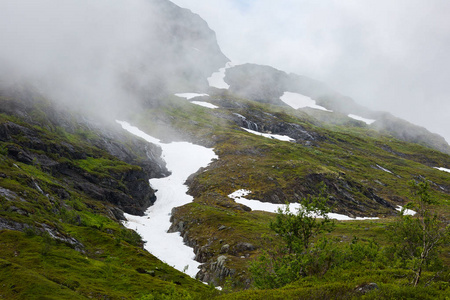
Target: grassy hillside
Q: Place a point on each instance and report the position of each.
(366, 174)
(60, 209)
(64, 185)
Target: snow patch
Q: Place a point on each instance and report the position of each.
(407, 212)
(284, 138)
(443, 169)
(217, 79)
(205, 104)
(190, 95)
(238, 197)
(383, 169)
(297, 101)
(182, 159)
(367, 121)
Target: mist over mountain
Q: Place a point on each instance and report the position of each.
(111, 59)
(106, 56)
(138, 162)
(381, 53)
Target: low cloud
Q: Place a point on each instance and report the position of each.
(387, 55)
(105, 56)
(73, 48)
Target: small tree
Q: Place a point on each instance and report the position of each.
(311, 219)
(297, 257)
(419, 237)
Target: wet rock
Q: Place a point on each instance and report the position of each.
(19, 154)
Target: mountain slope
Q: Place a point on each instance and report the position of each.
(266, 84)
(64, 185)
(366, 174)
(69, 172)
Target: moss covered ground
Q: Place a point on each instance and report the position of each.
(349, 158)
(95, 257)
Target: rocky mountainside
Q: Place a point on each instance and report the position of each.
(266, 84)
(70, 175)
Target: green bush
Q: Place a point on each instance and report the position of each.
(298, 256)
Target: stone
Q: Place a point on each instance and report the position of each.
(367, 287)
(224, 248)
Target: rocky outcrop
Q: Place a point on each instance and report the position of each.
(215, 271)
(345, 195)
(41, 229)
(45, 144)
(217, 256)
(268, 123)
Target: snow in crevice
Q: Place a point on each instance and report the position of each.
(365, 120)
(182, 159)
(383, 169)
(238, 197)
(443, 169)
(205, 104)
(189, 96)
(284, 138)
(217, 79)
(296, 101)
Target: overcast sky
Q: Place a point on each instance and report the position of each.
(388, 55)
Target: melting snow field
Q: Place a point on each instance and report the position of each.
(367, 121)
(407, 212)
(238, 196)
(190, 95)
(217, 78)
(182, 159)
(297, 101)
(443, 169)
(205, 104)
(270, 135)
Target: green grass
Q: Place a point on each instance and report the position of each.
(346, 159)
(106, 269)
(103, 166)
(112, 264)
(108, 261)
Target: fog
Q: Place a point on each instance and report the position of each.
(387, 55)
(104, 56)
(74, 49)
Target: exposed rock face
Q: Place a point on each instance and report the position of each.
(41, 228)
(268, 123)
(215, 271)
(126, 188)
